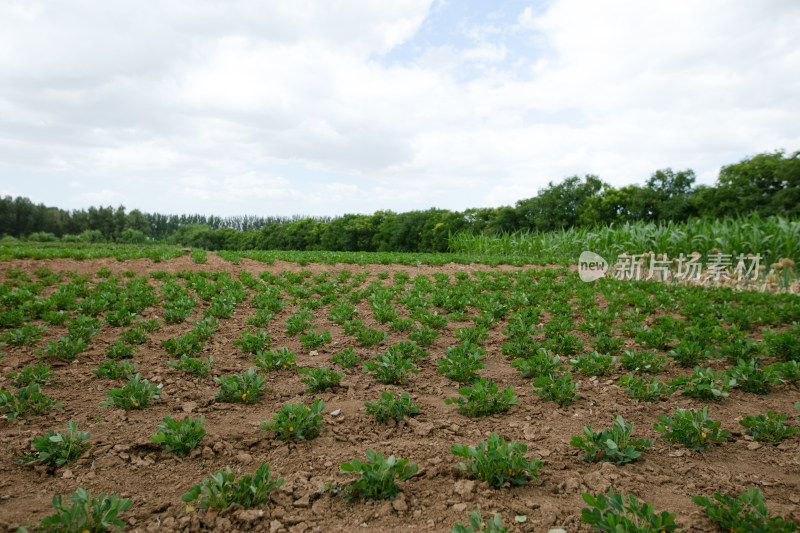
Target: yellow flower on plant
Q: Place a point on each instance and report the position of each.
(291, 428)
(135, 404)
(703, 434)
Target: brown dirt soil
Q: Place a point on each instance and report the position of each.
(122, 459)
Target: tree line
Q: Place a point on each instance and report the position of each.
(765, 184)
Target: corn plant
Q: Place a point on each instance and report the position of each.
(483, 398)
(180, 437)
(295, 421)
(494, 525)
(611, 445)
(559, 389)
(693, 429)
(619, 512)
(135, 394)
(320, 379)
(347, 358)
(746, 513)
(29, 401)
(57, 448)
(378, 476)
(389, 408)
(498, 462)
(221, 489)
(241, 388)
(767, 428)
(281, 359)
(111, 369)
(85, 513)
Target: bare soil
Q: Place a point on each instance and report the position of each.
(123, 460)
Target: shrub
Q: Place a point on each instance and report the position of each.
(85, 513)
(498, 462)
(241, 388)
(389, 408)
(136, 394)
(378, 476)
(295, 421)
(693, 429)
(612, 445)
(180, 437)
(559, 389)
(57, 448)
(320, 379)
(747, 513)
(620, 513)
(221, 490)
(483, 398)
(767, 428)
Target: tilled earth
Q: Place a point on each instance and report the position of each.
(123, 460)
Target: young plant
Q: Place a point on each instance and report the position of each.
(424, 336)
(85, 513)
(788, 371)
(370, 336)
(298, 322)
(281, 359)
(643, 361)
(608, 345)
(409, 350)
(187, 344)
(312, 339)
(39, 374)
(136, 394)
(111, 369)
(462, 362)
(704, 384)
(767, 428)
(693, 429)
(65, 348)
(483, 398)
(378, 476)
(689, 353)
(295, 421)
(389, 408)
(347, 358)
(241, 388)
(254, 343)
(784, 346)
(498, 462)
(559, 389)
(644, 390)
(198, 367)
(619, 513)
(120, 350)
(611, 445)
(542, 363)
(29, 401)
(320, 379)
(391, 368)
(221, 489)
(749, 377)
(57, 448)
(594, 364)
(181, 437)
(747, 513)
(27, 334)
(495, 525)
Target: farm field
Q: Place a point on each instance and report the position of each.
(428, 330)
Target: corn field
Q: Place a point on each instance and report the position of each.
(773, 238)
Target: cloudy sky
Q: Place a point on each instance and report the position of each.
(274, 107)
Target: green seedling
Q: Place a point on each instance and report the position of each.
(347, 358)
(611, 445)
(254, 343)
(483, 398)
(747, 514)
(312, 339)
(221, 489)
(85, 513)
(136, 394)
(693, 429)
(749, 377)
(391, 368)
(241, 388)
(180, 437)
(320, 379)
(389, 408)
(29, 401)
(704, 384)
(111, 369)
(295, 421)
(542, 363)
(281, 359)
(57, 448)
(644, 389)
(594, 364)
(498, 462)
(120, 350)
(559, 389)
(621, 513)
(643, 361)
(378, 476)
(767, 428)
(494, 525)
(39, 374)
(197, 367)
(462, 362)
(424, 336)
